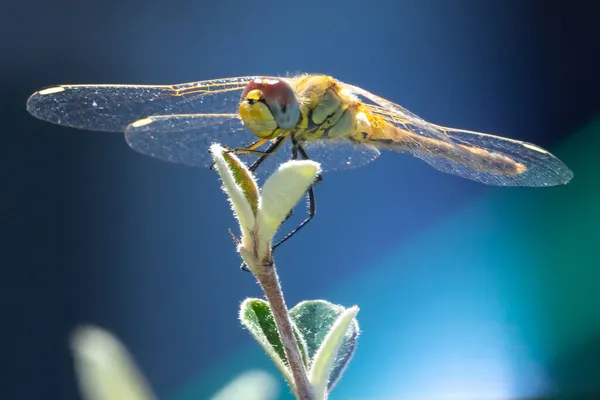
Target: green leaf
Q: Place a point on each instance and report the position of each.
(314, 319)
(322, 362)
(256, 316)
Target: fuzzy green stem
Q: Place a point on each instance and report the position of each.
(266, 274)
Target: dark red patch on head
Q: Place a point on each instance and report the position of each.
(273, 90)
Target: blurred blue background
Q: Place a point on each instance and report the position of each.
(465, 290)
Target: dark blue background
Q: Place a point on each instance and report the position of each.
(94, 232)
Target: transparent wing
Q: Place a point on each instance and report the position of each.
(113, 107)
(271, 163)
(541, 167)
(332, 154)
(340, 154)
(472, 155)
(185, 139)
(398, 115)
(489, 159)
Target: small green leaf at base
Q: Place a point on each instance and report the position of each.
(314, 319)
(324, 360)
(326, 334)
(256, 316)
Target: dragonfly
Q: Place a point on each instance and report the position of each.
(271, 119)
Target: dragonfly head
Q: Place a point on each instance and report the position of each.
(268, 104)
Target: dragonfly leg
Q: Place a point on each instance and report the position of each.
(294, 157)
(273, 147)
(270, 150)
(310, 197)
(312, 211)
(251, 149)
(310, 192)
(319, 177)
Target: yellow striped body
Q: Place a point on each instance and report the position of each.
(330, 113)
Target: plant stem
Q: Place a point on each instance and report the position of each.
(269, 281)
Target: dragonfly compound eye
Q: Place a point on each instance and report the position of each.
(279, 99)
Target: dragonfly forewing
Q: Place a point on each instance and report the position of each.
(112, 108)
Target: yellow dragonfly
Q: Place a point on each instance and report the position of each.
(273, 118)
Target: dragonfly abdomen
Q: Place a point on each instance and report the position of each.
(392, 137)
